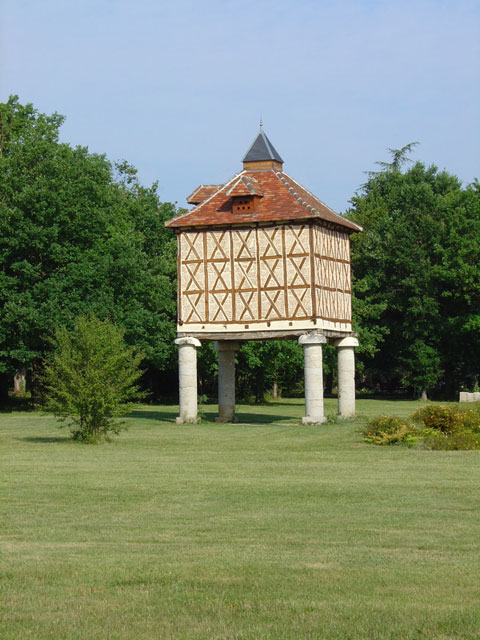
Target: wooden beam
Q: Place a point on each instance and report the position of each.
(264, 335)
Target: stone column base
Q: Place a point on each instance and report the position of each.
(225, 420)
(179, 420)
(313, 420)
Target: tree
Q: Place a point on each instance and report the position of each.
(91, 378)
(417, 277)
(77, 235)
(263, 364)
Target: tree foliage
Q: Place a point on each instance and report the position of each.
(77, 235)
(417, 277)
(263, 365)
(91, 378)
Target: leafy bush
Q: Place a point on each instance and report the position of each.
(456, 441)
(448, 419)
(389, 430)
(450, 427)
(91, 378)
(472, 418)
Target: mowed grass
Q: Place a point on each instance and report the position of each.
(212, 531)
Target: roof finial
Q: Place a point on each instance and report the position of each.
(261, 122)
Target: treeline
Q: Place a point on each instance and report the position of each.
(416, 270)
(81, 235)
(78, 235)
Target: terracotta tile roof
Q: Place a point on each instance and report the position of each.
(245, 186)
(202, 192)
(283, 200)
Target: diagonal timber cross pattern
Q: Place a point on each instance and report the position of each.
(283, 273)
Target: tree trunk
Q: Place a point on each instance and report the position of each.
(424, 395)
(20, 382)
(260, 387)
(451, 384)
(4, 384)
(35, 385)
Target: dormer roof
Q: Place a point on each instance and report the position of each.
(245, 186)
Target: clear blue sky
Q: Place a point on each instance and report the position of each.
(177, 88)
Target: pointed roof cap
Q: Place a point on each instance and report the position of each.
(262, 149)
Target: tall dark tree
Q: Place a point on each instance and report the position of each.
(417, 277)
(77, 236)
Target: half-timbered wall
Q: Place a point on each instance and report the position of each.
(285, 276)
(333, 289)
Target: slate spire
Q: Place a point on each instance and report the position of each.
(262, 149)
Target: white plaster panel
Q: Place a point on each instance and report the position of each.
(269, 242)
(220, 307)
(297, 239)
(219, 276)
(244, 244)
(273, 304)
(218, 244)
(299, 303)
(245, 276)
(191, 243)
(298, 271)
(271, 273)
(246, 306)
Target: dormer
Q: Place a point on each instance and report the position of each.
(244, 204)
(245, 194)
(262, 155)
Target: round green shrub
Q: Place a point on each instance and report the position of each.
(457, 441)
(449, 419)
(389, 430)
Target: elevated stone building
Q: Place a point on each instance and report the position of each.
(260, 257)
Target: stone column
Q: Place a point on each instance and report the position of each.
(226, 380)
(187, 374)
(312, 350)
(346, 376)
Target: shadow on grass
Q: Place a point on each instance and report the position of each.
(262, 418)
(161, 416)
(288, 403)
(45, 440)
(209, 416)
(16, 405)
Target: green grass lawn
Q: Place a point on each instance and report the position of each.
(213, 531)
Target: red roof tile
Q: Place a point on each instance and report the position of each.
(202, 192)
(283, 200)
(245, 186)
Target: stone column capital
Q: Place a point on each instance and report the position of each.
(346, 342)
(226, 345)
(312, 338)
(188, 340)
